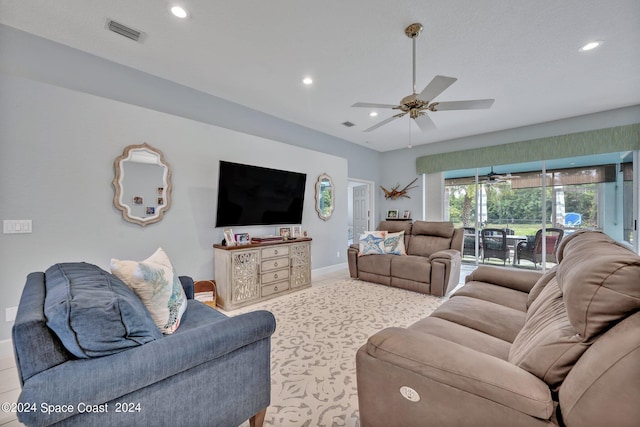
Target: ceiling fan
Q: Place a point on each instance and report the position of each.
(493, 178)
(417, 104)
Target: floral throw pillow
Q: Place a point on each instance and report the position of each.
(372, 243)
(394, 243)
(157, 285)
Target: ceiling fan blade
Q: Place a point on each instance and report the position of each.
(384, 122)
(425, 123)
(370, 105)
(436, 87)
(476, 104)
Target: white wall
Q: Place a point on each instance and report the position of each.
(57, 148)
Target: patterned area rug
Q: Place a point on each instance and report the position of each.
(313, 350)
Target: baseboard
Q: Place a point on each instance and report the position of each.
(6, 348)
(327, 270)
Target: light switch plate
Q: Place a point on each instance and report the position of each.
(16, 226)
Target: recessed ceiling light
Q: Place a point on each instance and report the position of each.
(307, 80)
(590, 46)
(179, 12)
(373, 113)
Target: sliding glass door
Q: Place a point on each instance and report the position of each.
(535, 205)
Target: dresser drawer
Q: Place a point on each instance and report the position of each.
(275, 251)
(274, 264)
(275, 276)
(275, 288)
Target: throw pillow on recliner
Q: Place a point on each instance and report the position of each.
(394, 243)
(372, 243)
(158, 286)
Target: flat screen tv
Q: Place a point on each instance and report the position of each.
(253, 195)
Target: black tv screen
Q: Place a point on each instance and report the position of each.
(253, 195)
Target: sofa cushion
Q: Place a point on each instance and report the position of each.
(433, 228)
(156, 283)
(511, 298)
(394, 243)
(463, 335)
(411, 267)
(94, 313)
(598, 290)
(378, 264)
(540, 284)
(547, 346)
(484, 316)
(372, 243)
(429, 237)
(397, 226)
(595, 286)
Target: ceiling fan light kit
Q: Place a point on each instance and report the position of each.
(417, 104)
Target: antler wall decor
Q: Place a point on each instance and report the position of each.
(394, 193)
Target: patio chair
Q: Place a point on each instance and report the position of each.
(469, 247)
(531, 250)
(494, 244)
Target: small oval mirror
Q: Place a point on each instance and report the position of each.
(142, 184)
(324, 197)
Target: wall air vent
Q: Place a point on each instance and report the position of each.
(123, 30)
(348, 124)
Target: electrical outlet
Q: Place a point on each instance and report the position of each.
(338, 254)
(10, 314)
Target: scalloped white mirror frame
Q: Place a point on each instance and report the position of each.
(149, 155)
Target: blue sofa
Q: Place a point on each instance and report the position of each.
(213, 371)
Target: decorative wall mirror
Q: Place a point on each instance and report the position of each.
(142, 184)
(324, 197)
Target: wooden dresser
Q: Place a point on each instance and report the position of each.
(251, 273)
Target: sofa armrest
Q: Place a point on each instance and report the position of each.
(513, 278)
(445, 254)
(188, 286)
(107, 378)
(445, 271)
(352, 259)
(463, 369)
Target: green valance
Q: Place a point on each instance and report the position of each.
(609, 140)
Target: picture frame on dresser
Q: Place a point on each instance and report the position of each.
(229, 237)
(242, 238)
(392, 214)
(296, 231)
(284, 232)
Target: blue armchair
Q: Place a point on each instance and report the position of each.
(213, 371)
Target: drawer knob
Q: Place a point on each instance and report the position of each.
(275, 264)
(275, 288)
(275, 276)
(275, 251)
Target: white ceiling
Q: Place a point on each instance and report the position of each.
(255, 53)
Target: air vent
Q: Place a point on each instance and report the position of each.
(123, 30)
(348, 124)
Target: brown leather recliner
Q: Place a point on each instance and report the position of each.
(517, 348)
(432, 263)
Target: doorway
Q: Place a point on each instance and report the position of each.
(361, 208)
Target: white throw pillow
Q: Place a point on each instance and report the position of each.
(157, 285)
(372, 243)
(394, 243)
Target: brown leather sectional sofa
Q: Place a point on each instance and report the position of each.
(432, 263)
(517, 348)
